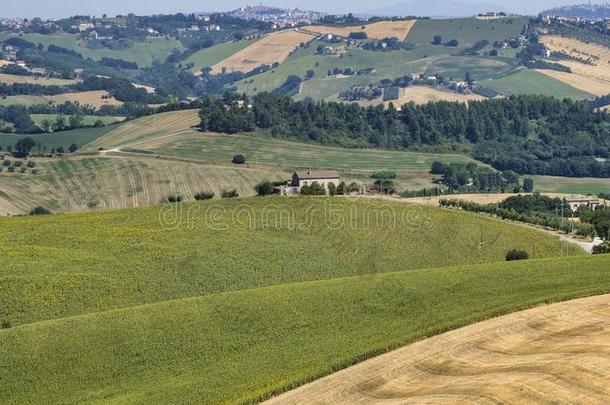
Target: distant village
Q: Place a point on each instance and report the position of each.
(279, 18)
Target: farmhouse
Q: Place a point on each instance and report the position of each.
(322, 177)
(577, 202)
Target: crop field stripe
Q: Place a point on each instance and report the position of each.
(285, 335)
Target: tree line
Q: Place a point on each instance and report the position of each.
(528, 134)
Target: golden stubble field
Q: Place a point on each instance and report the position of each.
(43, 81)
(95, 99)
(275, 47)
(594, 76)
(557, 353)
(378, 30)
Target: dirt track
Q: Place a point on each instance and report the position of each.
(558, 353)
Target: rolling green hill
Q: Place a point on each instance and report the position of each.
(247, 345)
(88, 120)
(90, 262)
(48, 141)
(143, 53)
(466, 30)
(425, 58)
(532, 82)
(149, 158)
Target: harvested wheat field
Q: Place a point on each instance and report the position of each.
(95, 99)
(597, 87)
(423, 95)
(378, 30)
(5, 62)
(596, 56)
(43, 81)
(491, 198)
(557, 353)
(275, 47)
(153, 128)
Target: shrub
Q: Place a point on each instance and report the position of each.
(453, 43)
(5, 324)
(39, 211)
(73, 148)
(6, 162)
(34, 171)
(528, 185)
(341, 188)
(174, 198)
(239, 159)
(314, 189)
(204, 195)
(358, 35)
(602, 249)
(586, 230)
(23, 170)
(18, 163)
(516, 254)
(384, 175)
(332, 189)
(264, 188)
(11, 169)
(31, 163)
(229, 194)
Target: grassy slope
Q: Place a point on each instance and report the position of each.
(426, 58)
(208, 57)
(466, 30)
(81, 137)
(143, 53)
(245, 345)
(87, 119)
(89, 183)
(552, 184)
(172, 134)
(267, 150)
(106, 260)
(532, 82)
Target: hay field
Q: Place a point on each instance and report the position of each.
(424, 94)
(378, 30)
(275, 47)
(598, 56)
(43, 81)
(558, 353)
(148, 128)
(5, 62)
(90, 183)
(595, 86)
(93, 98)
